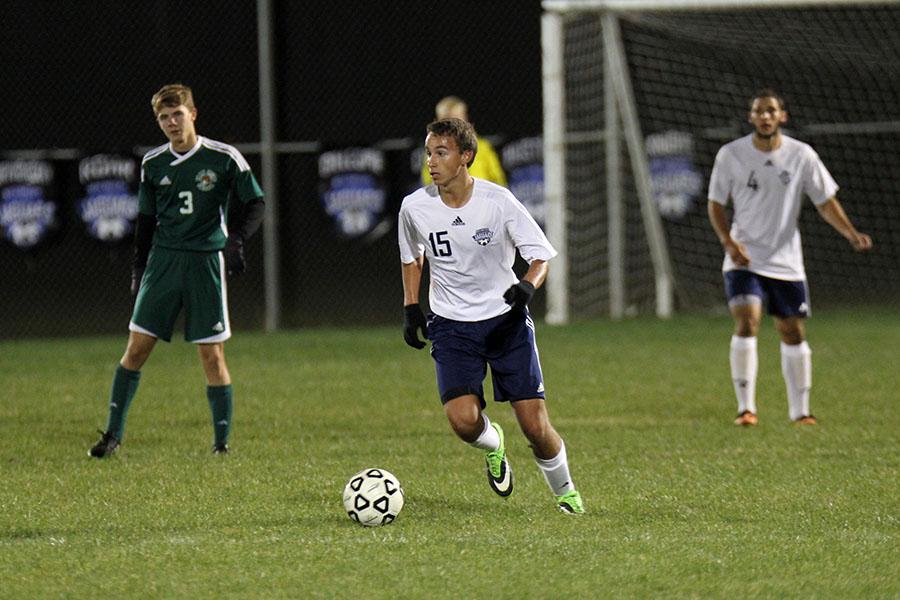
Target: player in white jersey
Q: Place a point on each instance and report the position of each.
(469, 230)
(765, 176)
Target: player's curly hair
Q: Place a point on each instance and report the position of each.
(461, 131)
(173, 94)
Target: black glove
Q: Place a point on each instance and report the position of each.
(234, 255)
(413, 320)
(519, 295)
(137, 273)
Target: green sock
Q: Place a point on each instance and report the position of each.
(220, 403)
(124, 385)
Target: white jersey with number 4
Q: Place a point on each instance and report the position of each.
(470, 250)
(766, 189)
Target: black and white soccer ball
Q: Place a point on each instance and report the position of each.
(373, 497)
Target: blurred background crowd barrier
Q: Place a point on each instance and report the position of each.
(350, 91)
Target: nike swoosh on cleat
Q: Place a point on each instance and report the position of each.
(503, 485)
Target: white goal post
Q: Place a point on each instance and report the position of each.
(593, 132)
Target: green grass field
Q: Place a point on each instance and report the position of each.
(681, 502)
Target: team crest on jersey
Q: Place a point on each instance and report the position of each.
(483, 236)
(206, 180)
(785, 177)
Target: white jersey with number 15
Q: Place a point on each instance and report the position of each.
(471, 249)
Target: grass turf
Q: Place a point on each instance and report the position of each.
(681, 503)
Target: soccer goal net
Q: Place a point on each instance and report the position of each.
(640, 94)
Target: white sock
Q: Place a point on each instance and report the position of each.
(489, 439)
(796, 366)
(744, 364)
(556, 472)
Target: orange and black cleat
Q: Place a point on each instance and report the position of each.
(806, 420)
(746, 419)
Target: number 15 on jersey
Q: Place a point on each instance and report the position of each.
(440, 245)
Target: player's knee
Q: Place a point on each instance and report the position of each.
(214, 365)
(135, 356)
(543, 439)
(464, 415)
(791, 330)
(746, 327)
(466, 426)
(537, 431)
(792, 337)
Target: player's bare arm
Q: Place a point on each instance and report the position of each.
(412, 278)
(722, 227)
(834, 215)
(537, 273)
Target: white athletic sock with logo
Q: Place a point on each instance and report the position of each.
(556, 472)
(489, 439)
(744, 364)
(796, 366)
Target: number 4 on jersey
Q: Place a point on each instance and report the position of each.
(751, 181)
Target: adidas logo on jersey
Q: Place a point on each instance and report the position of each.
(218, 327)
(457, 222)
(165, 181)
(769, 163)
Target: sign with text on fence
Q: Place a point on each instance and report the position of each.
(108, 204)
(676, 181)
(352, 191)
(28, 210)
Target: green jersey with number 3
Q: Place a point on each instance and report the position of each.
(189, 193)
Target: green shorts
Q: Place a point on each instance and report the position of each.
(176, 279)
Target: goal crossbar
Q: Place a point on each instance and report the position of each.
(619, 6)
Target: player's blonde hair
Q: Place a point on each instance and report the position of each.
(449, 106)
(173, 94)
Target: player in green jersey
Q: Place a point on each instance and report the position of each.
(183, 250)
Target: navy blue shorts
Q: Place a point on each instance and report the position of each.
(462, 351)
(782, 298)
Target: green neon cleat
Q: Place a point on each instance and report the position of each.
(498, 472)
(570, 503)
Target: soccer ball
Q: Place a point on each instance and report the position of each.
(373, 497)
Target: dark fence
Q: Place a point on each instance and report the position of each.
(78, 80)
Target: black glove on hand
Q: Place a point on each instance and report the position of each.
(137, 273)
(519, 295)
(234, 255)
(413, 320)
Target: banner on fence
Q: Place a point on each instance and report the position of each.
(28, 210)
(107, 202)
(353, 192)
